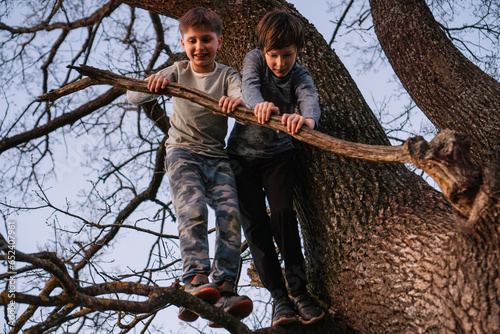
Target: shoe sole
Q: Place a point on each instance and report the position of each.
(208, 295)
(313, 320)
(284, 321)
(240, 311)
(187, 315)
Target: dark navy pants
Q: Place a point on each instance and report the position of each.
(274, 179)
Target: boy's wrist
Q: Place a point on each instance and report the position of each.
(310, 122)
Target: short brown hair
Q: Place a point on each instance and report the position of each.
(201, 17)
(279, 29)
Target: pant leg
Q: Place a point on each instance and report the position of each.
(279, 181)
(221, 190)
(187, 186)
(256, 225)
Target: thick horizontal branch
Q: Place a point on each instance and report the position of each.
(90, 297)
(325, 142)
(157, 298)
(460, 182)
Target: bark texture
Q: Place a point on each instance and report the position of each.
(440, 79)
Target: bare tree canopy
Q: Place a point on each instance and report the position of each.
(385, 251)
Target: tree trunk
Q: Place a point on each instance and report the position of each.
(383, 248)
(453, 92)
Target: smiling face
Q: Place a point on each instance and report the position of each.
(201, 47)
(281, 61)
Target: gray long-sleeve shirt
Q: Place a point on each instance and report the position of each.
(260, 85)
(194, 127)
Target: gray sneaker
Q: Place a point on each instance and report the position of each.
(284, 312)
(201, 288)
(308, 309)
(238, 306)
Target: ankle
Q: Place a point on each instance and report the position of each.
(196, 279)
(227, 288)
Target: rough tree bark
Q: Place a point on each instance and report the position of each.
(384, 247)
(439, 78)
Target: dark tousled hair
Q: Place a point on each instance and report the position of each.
(201, 17)
(279, 29)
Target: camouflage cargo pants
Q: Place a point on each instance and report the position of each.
(196, 182)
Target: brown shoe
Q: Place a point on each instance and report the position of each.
(201, 288)
(238, 306)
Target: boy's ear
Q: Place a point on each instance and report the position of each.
(219, 40)
(182, 43)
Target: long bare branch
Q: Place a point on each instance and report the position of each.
(449, 171)
(354, 150)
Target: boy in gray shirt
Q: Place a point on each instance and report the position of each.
(198, 167)
(263, 162)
